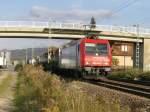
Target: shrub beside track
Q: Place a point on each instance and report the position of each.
(40, 91)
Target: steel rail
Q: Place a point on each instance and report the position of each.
(136, 89)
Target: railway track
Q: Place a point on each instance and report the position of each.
(140, 82)
(136, 89)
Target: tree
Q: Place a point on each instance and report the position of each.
(93, 23)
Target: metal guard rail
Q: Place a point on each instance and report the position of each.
(37, 24)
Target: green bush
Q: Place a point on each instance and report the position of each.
(145, 76)
(19, 67)
(126, 74)
(130, 74)
(115, 61)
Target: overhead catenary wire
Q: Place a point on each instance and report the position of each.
(129, 3)
(141, 21)
(123, 6)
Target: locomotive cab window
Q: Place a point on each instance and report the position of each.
(90, 48)
(102, 48)
(96, 49)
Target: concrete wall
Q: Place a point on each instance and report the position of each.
(127, 60)
(146, 59)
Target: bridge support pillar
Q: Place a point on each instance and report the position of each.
(146, 55)
(141, 53)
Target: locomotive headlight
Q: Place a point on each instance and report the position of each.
(106, 63)
(87, 63)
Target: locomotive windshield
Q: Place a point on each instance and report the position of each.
(96, 49)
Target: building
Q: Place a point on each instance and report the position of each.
(123, 52)
(4, 58)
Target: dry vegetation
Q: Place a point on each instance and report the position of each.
(39, 91)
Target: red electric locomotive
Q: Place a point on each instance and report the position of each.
(87, 56)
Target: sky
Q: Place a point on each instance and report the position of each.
(107, 12)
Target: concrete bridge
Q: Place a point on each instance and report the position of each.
(53, 30)
(30, 29)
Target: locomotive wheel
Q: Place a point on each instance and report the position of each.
(105, 74)
(84, 74)
(76, 74)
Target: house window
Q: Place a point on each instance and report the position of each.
(124, 48)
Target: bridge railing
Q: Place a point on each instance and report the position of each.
(37, 24)
(23, 24)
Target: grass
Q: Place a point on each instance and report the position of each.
(6, 82)
(145, 76)
(39, 91)
(130, 74)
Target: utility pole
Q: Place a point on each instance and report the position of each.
(92, 23)
(32, 54)
(26, 55)
(91, 26)
(50, 32)
(4, 59)
(124, 57)
(48, 54)
(50, 23)
(137, 56)
(137, 47)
